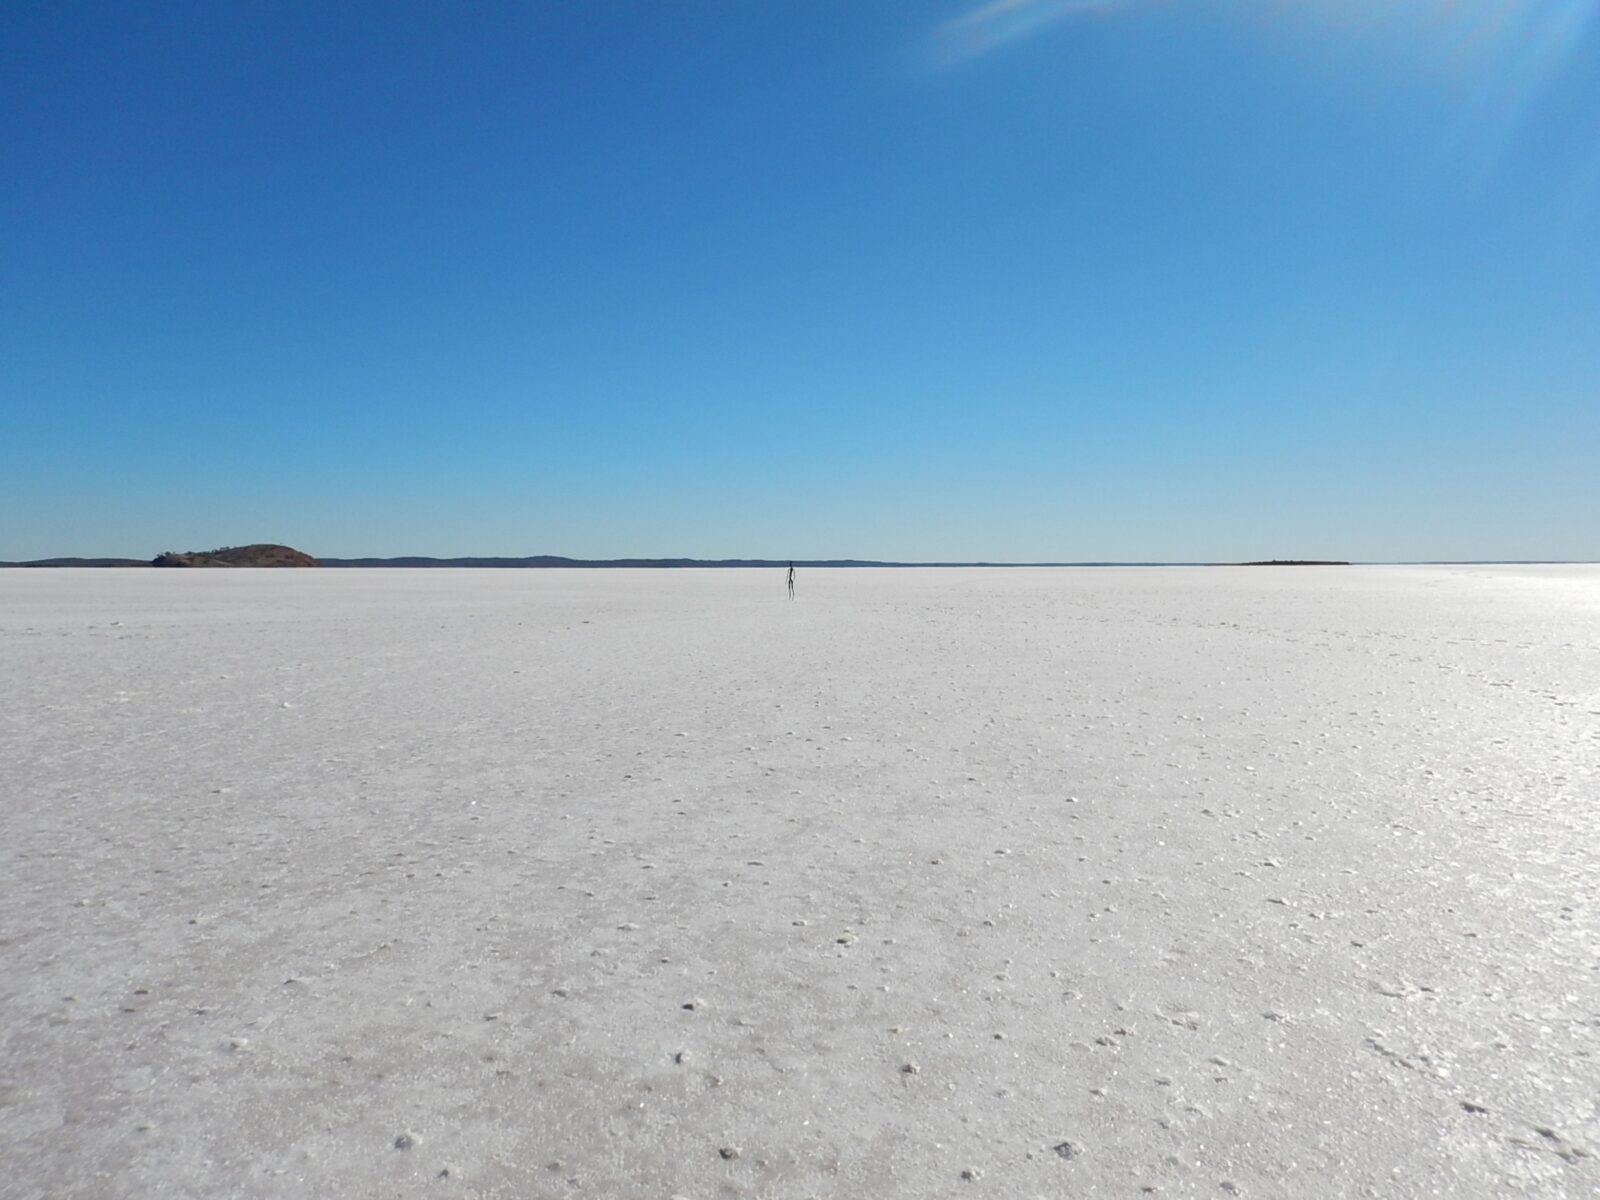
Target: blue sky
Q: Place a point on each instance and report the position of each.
(1026, 280)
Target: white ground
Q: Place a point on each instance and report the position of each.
(1270, 882)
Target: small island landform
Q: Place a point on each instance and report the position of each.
(260, 555)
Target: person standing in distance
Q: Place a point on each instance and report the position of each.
(791, 580)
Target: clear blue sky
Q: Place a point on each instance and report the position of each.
(796, 278)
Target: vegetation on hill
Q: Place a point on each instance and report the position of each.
(261, 555)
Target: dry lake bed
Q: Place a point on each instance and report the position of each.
(1271, 882)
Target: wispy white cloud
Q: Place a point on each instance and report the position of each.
(1515, 52)
(1498, 56)
(998, 23)
(1535, 32)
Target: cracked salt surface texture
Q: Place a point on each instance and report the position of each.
(1260, 882)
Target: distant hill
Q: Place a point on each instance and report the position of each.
(237, 556)
(1296, 562)
(79, 562)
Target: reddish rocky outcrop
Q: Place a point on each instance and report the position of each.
(261, 555)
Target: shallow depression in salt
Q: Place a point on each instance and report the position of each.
(1271, 882)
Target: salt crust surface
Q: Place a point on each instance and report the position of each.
(1008, 883)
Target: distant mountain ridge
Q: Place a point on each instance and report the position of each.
(557, 561)
(80, 562)
(272, 555)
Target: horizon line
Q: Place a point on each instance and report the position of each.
(565, 562)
